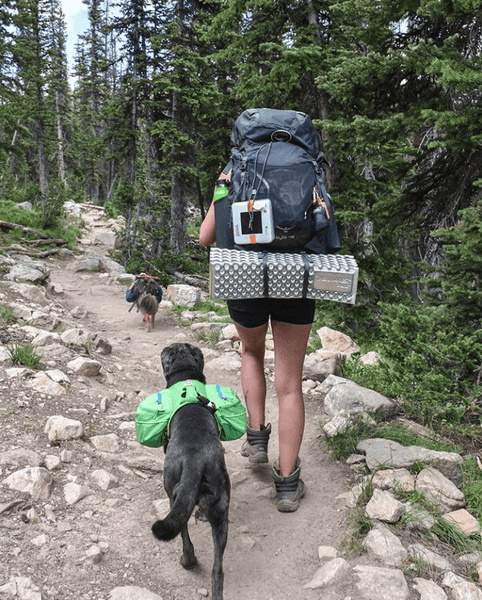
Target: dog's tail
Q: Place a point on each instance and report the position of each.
(149, 304)
(181, 509)
(167, 529)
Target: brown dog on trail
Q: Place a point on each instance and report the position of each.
(148, 297)
(148, 305)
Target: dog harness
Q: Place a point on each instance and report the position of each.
(154, 413)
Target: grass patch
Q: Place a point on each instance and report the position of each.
(360, 524)
(345, 442)
(210, 337)
(25, 355)
(472, 486)
(7, 314)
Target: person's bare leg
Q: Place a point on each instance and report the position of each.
(290, 342)
(252, 372)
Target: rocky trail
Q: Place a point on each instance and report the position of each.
(76, 525)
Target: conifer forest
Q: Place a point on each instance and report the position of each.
(140, 121)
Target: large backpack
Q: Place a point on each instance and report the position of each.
(277, 183)
(148, 285)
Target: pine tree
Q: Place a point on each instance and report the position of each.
(392, 129)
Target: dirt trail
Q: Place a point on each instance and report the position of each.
(270, 555)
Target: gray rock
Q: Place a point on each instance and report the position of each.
(344, 395)
(183, 295)
(466, 591)
(384, 507)
(337, 425)
(61, 428)
(380, 583)
(106, 443)
(337, 342)
(105, 239)
(31, 292)
(85, 366)
(57, 375)
(36, 481)
(386, 453)
(419, 552)
(20, 588)
(52, 462)
(429, 590)
(440, 490)
(319, 368)
(27, 269)
(229, 332)
(21, 457)
(45, 385)
(133, 593)
(463, 520)
(390, 479)
(111, 266)
(102, 346)
(45, 338)
(227, 362)
(73, 492)
(330, 573)
(370, 358)
(104, 479)
(382, 544)
(94, 554)
(418, 518)
(25, 205)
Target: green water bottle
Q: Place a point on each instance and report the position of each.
(221, 190)
(222, 215)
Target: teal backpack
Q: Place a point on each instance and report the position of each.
(155, 412)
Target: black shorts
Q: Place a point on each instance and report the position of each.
(255, 312)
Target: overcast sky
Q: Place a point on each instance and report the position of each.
(76, 20)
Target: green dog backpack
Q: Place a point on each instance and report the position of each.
(155, 412)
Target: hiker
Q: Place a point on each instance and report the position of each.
(291, 321)
(133, 290)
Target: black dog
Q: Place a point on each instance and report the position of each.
(194, 469)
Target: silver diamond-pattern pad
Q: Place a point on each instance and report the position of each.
(240, 274)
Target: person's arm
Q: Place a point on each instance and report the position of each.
(207, 232)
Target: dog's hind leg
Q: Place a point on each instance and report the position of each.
(188, 558)
(220, 538)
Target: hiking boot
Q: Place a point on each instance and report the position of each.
(256, 445)
(289, 489)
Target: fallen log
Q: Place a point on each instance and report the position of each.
(7, 225)
(57, 242)
(195, 280)
(38, 254)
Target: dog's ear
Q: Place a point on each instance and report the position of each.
(166, 359)
(198, 357)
